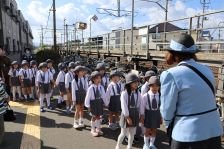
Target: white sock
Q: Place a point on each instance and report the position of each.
(81, 120)
(59, 99)
(71, 107)
(48, 102)
(25, 96)
(93, 125)
(31, 95)
(19, 92)
(146, 140)
(152, 140)
(67, 108)
(98, 123)
(75, 121)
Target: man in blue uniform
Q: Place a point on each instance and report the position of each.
(188, 100)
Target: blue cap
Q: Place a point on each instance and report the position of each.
(185, 43)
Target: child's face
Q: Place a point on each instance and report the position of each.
(97, 80)
(154, 88)
(44, 69)
(34, 66)
(15, 66)
(81, 73)
(115, 79)
(102, 72)
(49, 65)
(134, 85)
(25, 66)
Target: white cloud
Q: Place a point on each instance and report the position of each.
(148, 13)
(37, 12)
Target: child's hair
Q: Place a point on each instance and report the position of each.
(128, 88)
(76, 78)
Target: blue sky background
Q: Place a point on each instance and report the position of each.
(37, 12)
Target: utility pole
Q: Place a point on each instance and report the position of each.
(119, 8)
(205, 5)
(54, 25)
(42, 36)
(166, 17)
(66, 28)
(132, 27)
(64, 33)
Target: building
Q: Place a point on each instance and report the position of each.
(156, 37)
(121, 40)
(15, 31)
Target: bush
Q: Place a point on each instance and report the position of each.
(43, 55)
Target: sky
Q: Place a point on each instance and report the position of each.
(37, 13)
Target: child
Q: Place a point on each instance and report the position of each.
(14, 80)
(150, 113)
(95, 98)
(25, 79)
(60, 82)
(50, 66)
(105, 79)
(145, 87)
(79, 88)
(53, 72)
(33, 69)
(113, 95)
(44, 81)
(130, 105)
(68, 84)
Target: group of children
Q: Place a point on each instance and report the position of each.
(128, 106)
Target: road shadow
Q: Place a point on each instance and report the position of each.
(13, 140)
(161, 140)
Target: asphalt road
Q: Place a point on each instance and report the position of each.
(56, 132)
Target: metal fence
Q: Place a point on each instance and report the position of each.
(157, 36)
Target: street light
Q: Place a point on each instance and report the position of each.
(94, 18)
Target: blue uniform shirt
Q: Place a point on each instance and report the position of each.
(183, 92)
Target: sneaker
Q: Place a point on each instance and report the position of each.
(117, 125)
(126, 139)
(81, 124)
(152, 147)
(59, 105)
(114, 127)
(68, 111)
(136, 140)
(99, 131)
(103, 121)
(110, 126)
(50, 108)
(76, 125)
(146, 146)
(42, 110)
(94, 133)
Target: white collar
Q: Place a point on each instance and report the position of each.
(152, 94)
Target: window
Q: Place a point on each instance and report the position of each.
(156, 36)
